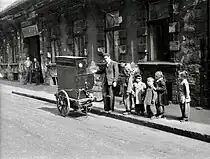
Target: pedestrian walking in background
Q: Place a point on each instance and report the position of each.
(150, 98)
(36, 71)
(28, 71)
(139, 88)
(160, 88)
(184, 94)
(111, 72)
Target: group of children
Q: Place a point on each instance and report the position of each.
(149, 99)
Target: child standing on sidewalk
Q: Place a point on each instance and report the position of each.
(139, 92)
(150, 98)
(127, 95)
(160, 88)
(184, 94)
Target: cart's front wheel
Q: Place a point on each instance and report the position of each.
(63, 103)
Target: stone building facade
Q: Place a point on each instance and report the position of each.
(166, 35)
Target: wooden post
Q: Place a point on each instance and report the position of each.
(208, 49)
(92, 52)
(132, 51)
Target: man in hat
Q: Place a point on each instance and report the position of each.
(28, 73)
(36, 71)
(111, 72)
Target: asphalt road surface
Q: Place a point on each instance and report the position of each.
(34, 129)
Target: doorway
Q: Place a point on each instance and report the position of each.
(112, 44)
(159, 40)
(33, 45)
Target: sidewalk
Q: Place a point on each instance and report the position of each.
(198, 127)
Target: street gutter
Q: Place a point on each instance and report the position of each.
(133, 119)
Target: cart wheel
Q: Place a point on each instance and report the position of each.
(63, 103)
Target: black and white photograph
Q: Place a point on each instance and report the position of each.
(104, 79)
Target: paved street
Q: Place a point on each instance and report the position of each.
(31, 128)
(172, 111)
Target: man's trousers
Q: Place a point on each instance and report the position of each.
(37, 77)
(108, 96)
(28, 76)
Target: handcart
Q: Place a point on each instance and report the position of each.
(74, 85)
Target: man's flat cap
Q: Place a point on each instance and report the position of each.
(106, 54)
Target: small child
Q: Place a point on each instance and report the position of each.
(160, 88)
(184, 95)
(150, 98)
(139, 92)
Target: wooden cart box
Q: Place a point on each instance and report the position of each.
(72, 75)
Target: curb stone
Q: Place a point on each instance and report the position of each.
(132, 119)
(35, 97)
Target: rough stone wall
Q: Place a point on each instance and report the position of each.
(191, 17)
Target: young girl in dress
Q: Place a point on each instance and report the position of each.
(139, 88)
(184, 94)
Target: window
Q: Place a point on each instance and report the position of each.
(78, 26)
(113, 34)
(55, 50)
(113, 44)
(80, 45)
(158, 10)
(53, 47)
(1, 54)
(14, 50)
(159, 41)
(100, 35)
(4, 53)
(80, 38)
(159, 30)
(112, 19)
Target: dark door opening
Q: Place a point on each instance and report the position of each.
(112, 44)
(169, 90)
(34, 51)
(159, 40)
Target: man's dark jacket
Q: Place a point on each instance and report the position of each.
(111, 72)
(37, 66)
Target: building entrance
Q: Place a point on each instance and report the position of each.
(159, 40)
(32, 45)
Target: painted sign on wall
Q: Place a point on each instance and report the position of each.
(30, 31)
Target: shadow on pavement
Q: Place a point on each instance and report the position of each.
(51, 110)
(73, 114)
(172, 117)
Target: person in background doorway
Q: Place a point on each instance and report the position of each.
(111, 72)
(150, 98)
(139, 88)
(28, 72)
(160, 88)
(36, 71)
(184, 94)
